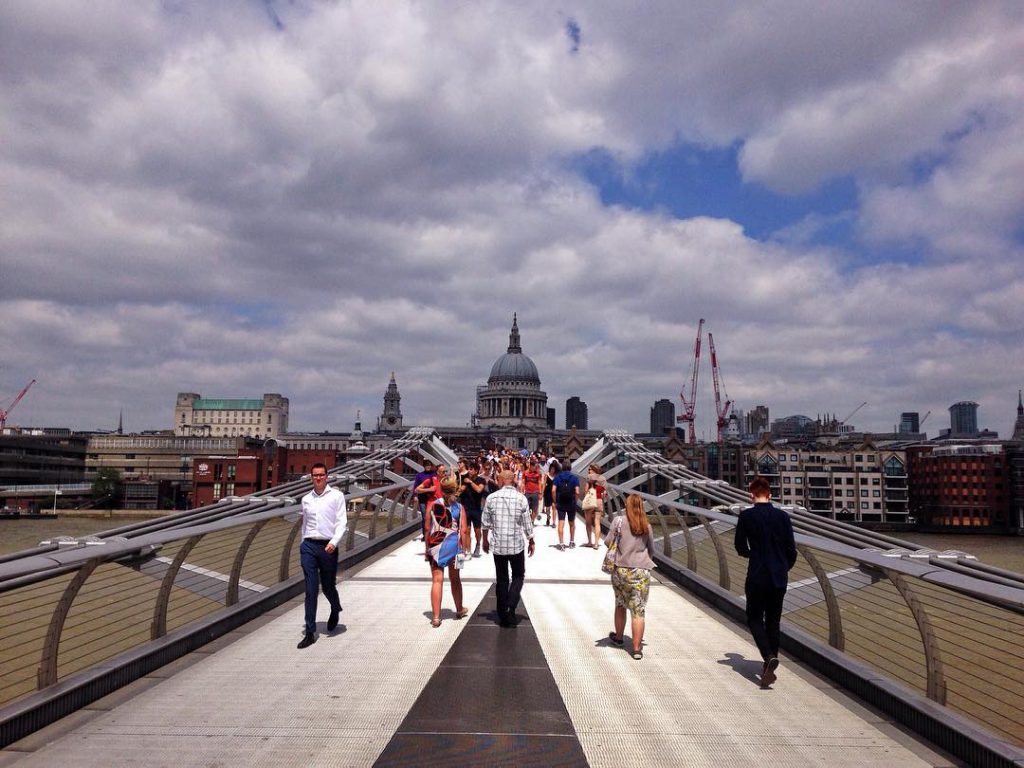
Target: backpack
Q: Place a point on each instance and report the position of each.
(440, 523)
(565, 490)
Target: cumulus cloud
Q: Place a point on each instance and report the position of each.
(235, 200)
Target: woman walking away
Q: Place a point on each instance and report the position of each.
(593, 504)
(445, 533)
(630, 534)
(548, 491)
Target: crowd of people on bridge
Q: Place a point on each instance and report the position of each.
(490, 503)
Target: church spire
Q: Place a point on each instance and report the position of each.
(513, 338)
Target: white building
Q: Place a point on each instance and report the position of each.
(195, 415)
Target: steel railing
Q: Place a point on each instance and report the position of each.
(68, 611)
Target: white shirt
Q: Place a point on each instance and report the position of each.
(324, 516)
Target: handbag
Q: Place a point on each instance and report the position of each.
(590, 499)
(608, 565)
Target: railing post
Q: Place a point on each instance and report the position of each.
(236, 569)
(665, 537)
(723, 564)
(286, 554)
(352, 523)
(159, 626)
(836, 637)
(47, 674)
(936, 678)
(376, 512)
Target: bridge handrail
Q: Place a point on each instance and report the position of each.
(68, 614)
(917, 621)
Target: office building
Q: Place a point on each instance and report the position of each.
(663, 417)
(196, 416)
(963, 419)
(575, 413)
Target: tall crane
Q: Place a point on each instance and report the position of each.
(850, 415)
(721, 411)
(9, 408)
(689, 405)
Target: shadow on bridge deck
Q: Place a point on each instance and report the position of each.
(387, 688)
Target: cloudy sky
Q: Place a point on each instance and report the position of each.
(240, 197)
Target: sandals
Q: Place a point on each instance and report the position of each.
(462, 613)
(616, 640)
(435, 622)
(638, 655)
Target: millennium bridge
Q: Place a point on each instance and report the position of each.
(172, 642)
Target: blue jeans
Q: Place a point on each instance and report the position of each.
(321, 572)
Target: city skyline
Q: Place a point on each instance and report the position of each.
(298, 197)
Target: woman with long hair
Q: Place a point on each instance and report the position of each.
(630, 535)
(593, 505)
(445, 533)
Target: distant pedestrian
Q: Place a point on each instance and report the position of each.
(764, 534)
(593, 504)
(324, 519)
(547, 489)
(473, 486)
(531, 487)
(507, 525)
(567, 496)
(423, 485)
(630, 534)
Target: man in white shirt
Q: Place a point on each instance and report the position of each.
(508, 527)
(324, 519)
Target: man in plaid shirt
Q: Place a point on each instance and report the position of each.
(506, 521)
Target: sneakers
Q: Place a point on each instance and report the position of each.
(768, 671)
(616, 640)
(560, 547)
(332, 620)
(572, 545)
(307, 640)
(476, 552)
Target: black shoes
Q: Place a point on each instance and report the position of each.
(768, 671)
(307, 640)
(332, 620)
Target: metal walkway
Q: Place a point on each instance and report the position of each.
(253, 699)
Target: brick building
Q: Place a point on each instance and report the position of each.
(960, 486)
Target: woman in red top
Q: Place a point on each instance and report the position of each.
(531, 487)
(592, 511)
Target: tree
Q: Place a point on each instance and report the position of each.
(106, 488)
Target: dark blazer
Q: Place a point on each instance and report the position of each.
(764, 534)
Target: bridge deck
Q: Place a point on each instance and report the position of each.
(387, 688)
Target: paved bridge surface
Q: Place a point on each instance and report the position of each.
(387, 689)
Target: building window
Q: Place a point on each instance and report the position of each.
(876, 494)
(864, 492)
(216, 490)
(231, 489)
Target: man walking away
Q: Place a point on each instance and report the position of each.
(506, 522)
(764, 534)
(567, 494)
(324, 520)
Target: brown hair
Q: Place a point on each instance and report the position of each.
(759, 486)
(636, 517)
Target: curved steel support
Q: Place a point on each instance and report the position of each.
(159, 626)
(350, 540)
(286, 553)
(936, 682)
(723, 564)
(377, 500)
(665, 537)
(836, 637)
(47, 674)
(236, 568)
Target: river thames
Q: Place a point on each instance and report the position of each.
(1000, 551)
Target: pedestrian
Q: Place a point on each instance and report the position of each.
(506, 523)
(764, 534)
(633, 557)
(548, 490)
(531, 487)
(593, 504)
(445, 537)
(567, 496)
(324, 519)
(423, 487)
(473, 487)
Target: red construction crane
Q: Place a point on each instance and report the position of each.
(9, 408)
(721, 411)
(690, 404)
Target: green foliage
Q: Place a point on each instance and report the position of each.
(106, 488)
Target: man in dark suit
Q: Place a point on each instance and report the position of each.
(764, 534)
